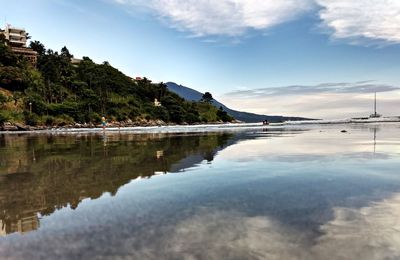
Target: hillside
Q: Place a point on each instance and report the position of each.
(193, 95)
(59, 93)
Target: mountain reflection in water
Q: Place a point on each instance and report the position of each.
(313, 193)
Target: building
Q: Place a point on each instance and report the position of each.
(75, 61)
(22, 225)
(137, 79)
(17, 38)
(157, 103)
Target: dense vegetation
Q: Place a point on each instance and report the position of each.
(58, 92)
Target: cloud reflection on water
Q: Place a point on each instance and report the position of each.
(371, 232)
(265, 208)
(327, 142)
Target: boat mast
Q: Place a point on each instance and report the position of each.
(375, 114)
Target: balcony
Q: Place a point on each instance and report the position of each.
(24, 51)
(17, 34)
(15, 29)
(16, 37)
(22, 41)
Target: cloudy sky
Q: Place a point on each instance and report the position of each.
(315, 58)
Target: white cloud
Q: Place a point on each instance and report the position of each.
(341, 87)
(326, 101)
(360, 21)
(377, 20)
(224, 17)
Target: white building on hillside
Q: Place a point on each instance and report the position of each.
(17, 38)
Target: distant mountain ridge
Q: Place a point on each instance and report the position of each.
(194, 95)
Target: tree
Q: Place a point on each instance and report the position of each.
(12, 78)
(7, 57)
(65, 53)
(2, 38)
(162, 90)
(38, 47)
(223, 115)
(207, 97)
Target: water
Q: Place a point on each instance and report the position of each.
(310, 193)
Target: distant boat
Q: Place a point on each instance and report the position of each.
(373, 118)
(375, 114)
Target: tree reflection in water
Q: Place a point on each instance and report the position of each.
(42, 173)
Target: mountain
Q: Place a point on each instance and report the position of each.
(194, 95)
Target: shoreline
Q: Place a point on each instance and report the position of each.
(197, 128)
(19, 127)
(145, 129)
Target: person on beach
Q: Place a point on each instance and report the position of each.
(103, 122)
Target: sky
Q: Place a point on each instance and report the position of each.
(312, 58)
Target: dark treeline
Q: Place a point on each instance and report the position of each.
(58, 92)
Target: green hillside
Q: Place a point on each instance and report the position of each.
(59, 93)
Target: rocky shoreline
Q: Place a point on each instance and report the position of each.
(13, 127)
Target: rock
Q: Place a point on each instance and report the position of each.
(160, 122)
(22, 127)
(9, 127)
(235, 122)
(129, 123)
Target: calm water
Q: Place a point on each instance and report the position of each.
(314, 193)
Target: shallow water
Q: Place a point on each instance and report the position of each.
(313, 193)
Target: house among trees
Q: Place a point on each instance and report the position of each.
(17, 38)
(157, 103)
(142, 79)
(75, 61)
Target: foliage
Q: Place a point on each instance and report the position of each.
(223, 115)
(31, 119)
(38, 47)
(3, 117)
(207, 97)
(3, 99)
(59, 92)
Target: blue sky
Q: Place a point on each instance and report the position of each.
(230, 46)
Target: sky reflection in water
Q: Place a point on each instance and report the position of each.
(311, 194)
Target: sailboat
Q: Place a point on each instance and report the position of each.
(375, 114)
(375, 117)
